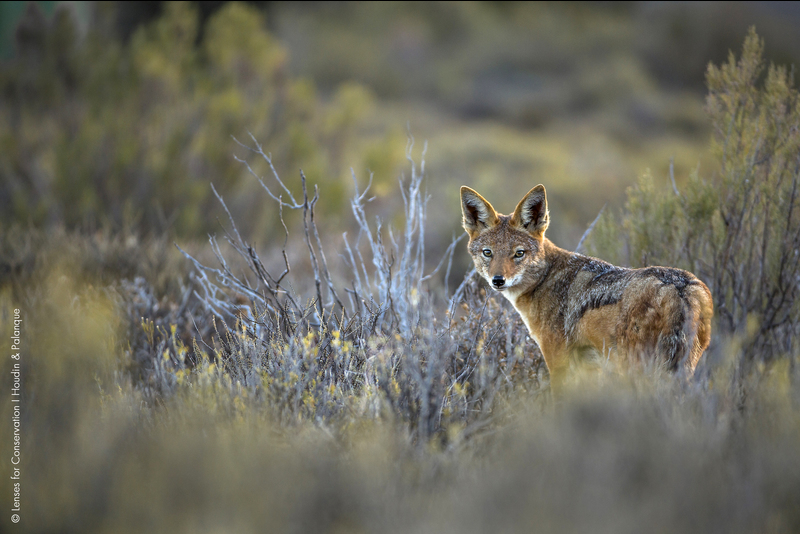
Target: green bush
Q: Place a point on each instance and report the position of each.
(96, 132)
(738, 229)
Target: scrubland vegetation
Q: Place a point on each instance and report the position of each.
(360, 382)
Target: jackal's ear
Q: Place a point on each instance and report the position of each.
(479, 215)
(531, 213)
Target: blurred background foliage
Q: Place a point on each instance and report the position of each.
(121, 113)
(101, 131)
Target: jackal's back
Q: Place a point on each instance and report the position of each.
(658, 311)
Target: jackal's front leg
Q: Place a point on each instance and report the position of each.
(557, 361)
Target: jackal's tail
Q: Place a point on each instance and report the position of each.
(691, 328)
(698, 297)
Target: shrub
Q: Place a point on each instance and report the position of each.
(96, 131)
(375, 343)
(739, 229)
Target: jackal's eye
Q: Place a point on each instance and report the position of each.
(519, 253)
(487, 253)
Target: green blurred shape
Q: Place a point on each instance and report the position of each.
(10, 14)
(99, 132)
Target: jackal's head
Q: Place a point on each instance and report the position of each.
(507, 249)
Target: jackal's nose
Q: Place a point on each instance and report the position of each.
(498, 281)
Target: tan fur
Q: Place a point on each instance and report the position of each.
(571, 302)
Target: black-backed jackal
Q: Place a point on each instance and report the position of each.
(571, 302)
